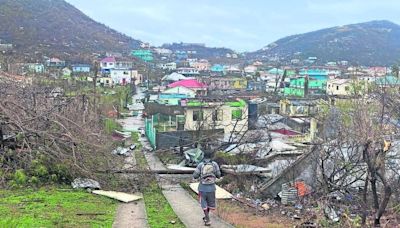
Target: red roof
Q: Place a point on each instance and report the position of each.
(189, 83)
(108, 59)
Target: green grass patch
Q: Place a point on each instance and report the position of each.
(159, 212)
(110, 125)
(55, 208)
(135, 137)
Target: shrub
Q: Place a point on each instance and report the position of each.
(34, 180)
(20, 177)
(41, 171)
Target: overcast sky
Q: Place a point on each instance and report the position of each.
(243, 25)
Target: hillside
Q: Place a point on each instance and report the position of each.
(55, 27)
(370, 43)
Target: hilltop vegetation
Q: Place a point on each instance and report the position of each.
(370, 43)
(54, 27)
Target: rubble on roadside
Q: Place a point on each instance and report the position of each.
(85, 183)
(121, 151)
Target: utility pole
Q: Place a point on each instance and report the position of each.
(148, 75)
(1, 135)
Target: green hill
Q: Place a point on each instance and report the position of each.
(55, 27)
(370, 43)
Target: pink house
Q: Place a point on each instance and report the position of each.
(193, 84)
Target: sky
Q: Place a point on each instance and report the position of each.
(242, 25)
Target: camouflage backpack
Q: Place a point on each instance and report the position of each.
(208, 173)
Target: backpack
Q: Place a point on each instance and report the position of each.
(208, 173)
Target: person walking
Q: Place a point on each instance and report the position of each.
(208, 171)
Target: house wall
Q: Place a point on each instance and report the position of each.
(305, 168)
(121, 76)
(338, 89)
(180, 90)
(227, 123)
(287, 108)
(302, 126)
(36, 68)
(138, 78)
(105, 81)
(81, 69)
(166, 140)
(107, 65)
(201, 66)
(154, 108)
(297, 87)
(298, 92)
(167, 66)
(228, 83)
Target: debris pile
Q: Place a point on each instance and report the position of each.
(85, 183)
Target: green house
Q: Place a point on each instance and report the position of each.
(145, 55)
(297, 87)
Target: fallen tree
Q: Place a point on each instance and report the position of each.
(49, 135)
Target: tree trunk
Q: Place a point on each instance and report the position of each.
(365, 202)
(374, 191)
(386, 197)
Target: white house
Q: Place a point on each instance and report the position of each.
(339, 87)
(229, 116)
(181, 90)
(167, 66)
(163, 51)
(125, 76)
(250, 69)
(187, 71)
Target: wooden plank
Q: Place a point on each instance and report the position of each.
(219, 194)
(121, 196)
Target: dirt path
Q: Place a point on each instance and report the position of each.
(186, 208)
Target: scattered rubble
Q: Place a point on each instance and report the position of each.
(121, 151)
(85, 183)
(245, 168)
(132, 147)
(288, 194)
(331, 214)
(193, 156)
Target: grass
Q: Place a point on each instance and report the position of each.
(110, 125)
(169, 157)
(55, 208)
(159, 212)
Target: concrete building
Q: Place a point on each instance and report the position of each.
(228, 83)
(125, 76)
(231, 116)
(339, 87)
(201, 65)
